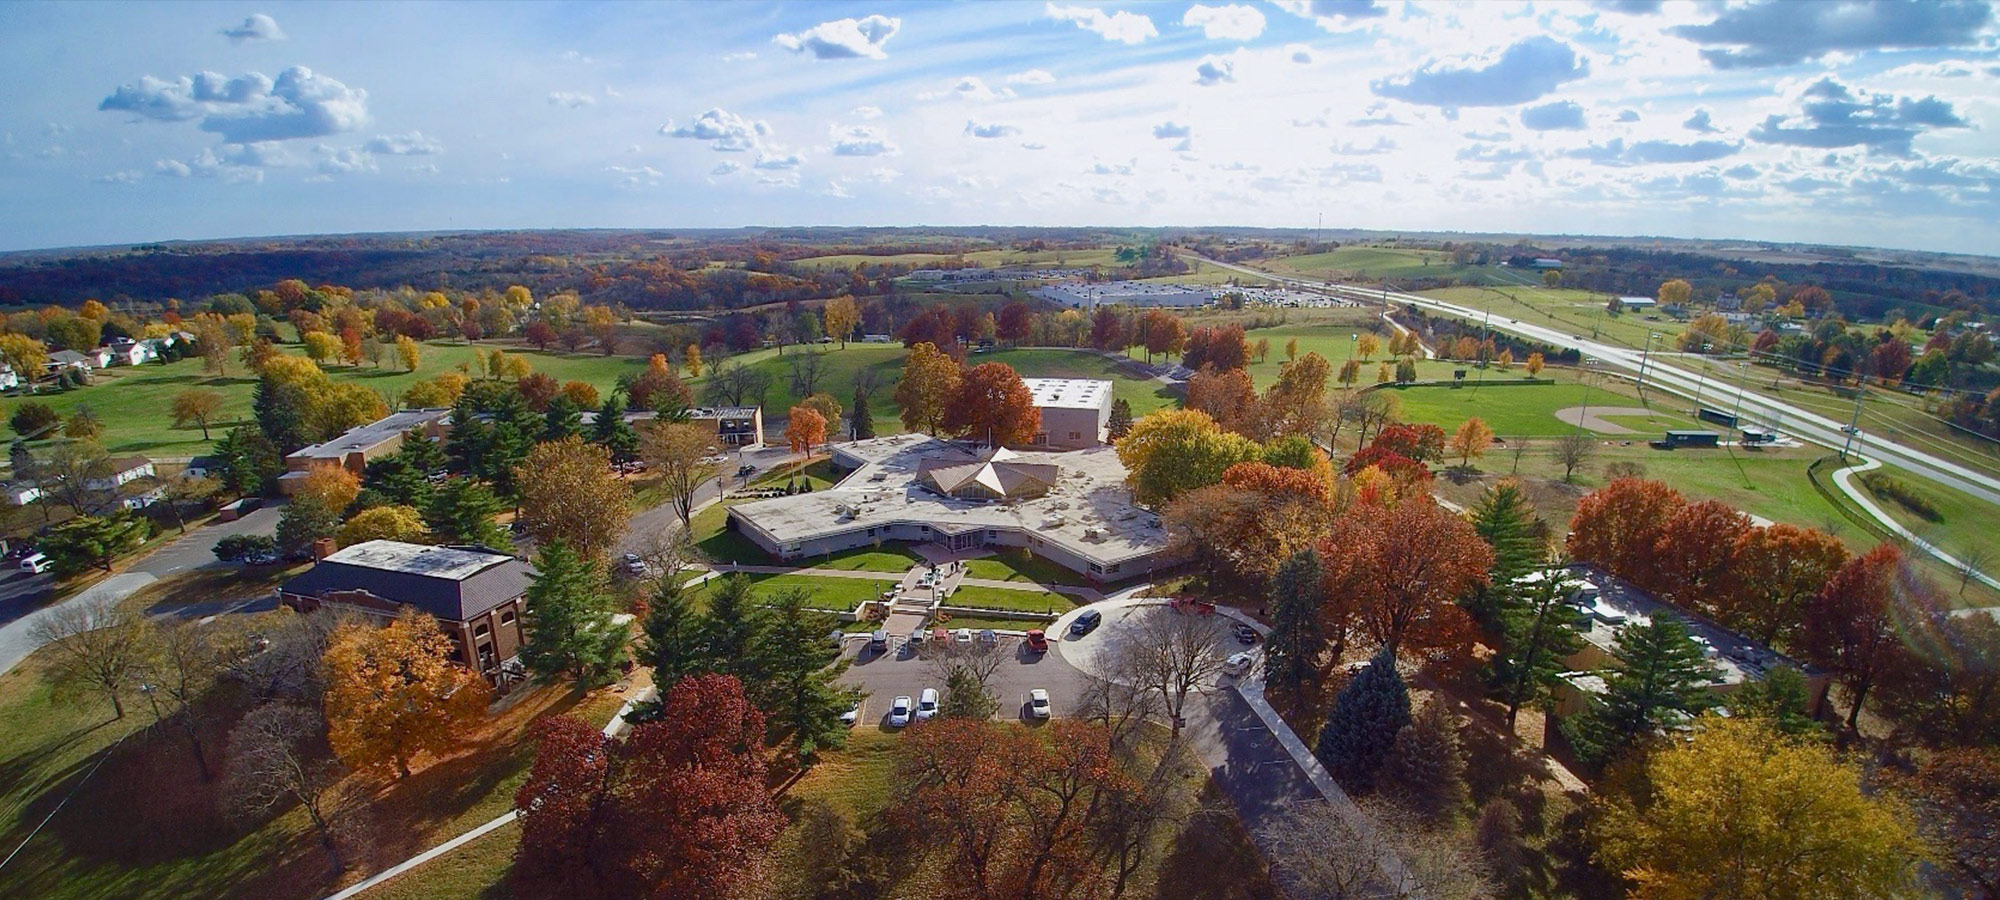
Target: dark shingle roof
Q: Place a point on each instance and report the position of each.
(456, 583)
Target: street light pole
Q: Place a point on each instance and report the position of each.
(1701, 381)
(1742, 372)
(1853, 424)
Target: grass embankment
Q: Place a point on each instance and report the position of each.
(136, 402)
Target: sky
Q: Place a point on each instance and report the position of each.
(1861, 123)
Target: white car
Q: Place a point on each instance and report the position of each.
(962, 636)
(852, 715)
(1038, 703)
(1239, 664)
(899, 712)
(927, 705)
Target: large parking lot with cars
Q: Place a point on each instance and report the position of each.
(899, 670)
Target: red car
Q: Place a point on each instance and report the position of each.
(1038, 642)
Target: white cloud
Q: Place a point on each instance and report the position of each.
(242, 165)
(1299, 53)
(1123, 27)
(1166, 130)
(728, 166)
(861, 140)
(636, 176)
(1334, 15)
(773, 162)
(866, 112)
(1033, 145)
(571, 99)
(250, 107)
(725, 130)
(412, 144)
(575, 56)
(843, 38)
(989, 129)
(1225, 23)
(1032, 76)
(741, 56)
(970, 88)
(344, 160)
(258, 27)
(1214, 70)
(128, 176)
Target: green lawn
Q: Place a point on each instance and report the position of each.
(827, 593)
(1005, 598)
(1568, 309)
(475, 871)
(1966, 529)
(1377, 262)
(895, 558)
(1517, 409)
(135, 402)
(1012, 565)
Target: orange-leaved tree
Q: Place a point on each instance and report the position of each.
(805, 430)
(1617, 526)
(1471, 440)
(1406, 565)
(993, 405)
(929, 385)
(568, 493)
(393, 692)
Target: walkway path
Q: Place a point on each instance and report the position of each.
(1843, 478)
(1592, 417)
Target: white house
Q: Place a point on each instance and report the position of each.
(20, 493)
(128, 352)
(123, 471)
(8, 379)
(142, 498)
(71, 359)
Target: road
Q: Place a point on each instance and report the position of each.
(21, 596)
(647, 524)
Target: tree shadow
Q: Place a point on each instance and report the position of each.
(1212, 857)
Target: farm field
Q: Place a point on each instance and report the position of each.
(1376, 262)
(993, 258)
(135, 402)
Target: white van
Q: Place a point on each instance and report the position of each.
(35, 563)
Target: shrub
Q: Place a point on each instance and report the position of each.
(31, 419)
(1889, 487)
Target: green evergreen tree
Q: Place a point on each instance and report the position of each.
(1362, 727)
(561, 420)
(1660, 680)
(616, 434)
(247, 463)
(860, 421)
(571, 633)
(797, 672)
(1297, 642)
(471, 439)
(280, 410)
(461, 511)
(1406, 370)
(391, 481)
(422, 453)
(1540, 630)
(1426, 765)
(1506, 521)
(1120, 423)
(675, 645)
(966, 697)
(303, 523)
(87, 541)
(1781, 697)
(731, 628)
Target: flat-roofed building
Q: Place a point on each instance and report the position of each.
(1071, 508)
(476, 594)
(1076, 412)
(355, 448)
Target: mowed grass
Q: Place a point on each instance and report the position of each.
(1377, 262)
(1566, 309)
(989, 258)
(1529, 409)
(1966, 530)
(136, 402)
(1034, 601)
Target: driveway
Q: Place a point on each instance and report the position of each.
(649, 522)
(21, 596)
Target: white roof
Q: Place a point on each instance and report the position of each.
(452, 563)
(1069, 393)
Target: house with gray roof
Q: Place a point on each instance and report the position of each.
(476, 595)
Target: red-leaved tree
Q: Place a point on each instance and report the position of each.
(1618, 526)
(678, 810)
(1851, 627)
(1405, 566)
(993, 404)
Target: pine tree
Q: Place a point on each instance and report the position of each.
(1540, 630)
(303, 523)
(280, 409)
(1426, 765)
(860, 421)
(731, 627)
(470, 441)
(1120, 423)
(1362, 727)
(798, 667)
(1506, 521)
(461, 511)
(423, 454)
(1660, 678)
(616, 434)
(674, 646)
(561, 420)
(1781, 697)
(1297, 593)
(391, 481)
(569, 620)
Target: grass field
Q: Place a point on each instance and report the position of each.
(1095, 256)
(1574, 311)
(1965, 528)
(135, 402)
(1036, 601)
(1529, 410)
(1377, 262)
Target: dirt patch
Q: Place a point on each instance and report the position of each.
(1592, 417)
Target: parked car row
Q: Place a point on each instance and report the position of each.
(903, 711)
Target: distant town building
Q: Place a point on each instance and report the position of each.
(476, 594)
(1076, 412)
(1638, 303)
(1546, 262)
(735, 426)
(355, 448)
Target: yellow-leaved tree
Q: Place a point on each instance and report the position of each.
(385, 523)
(569, 494)
(1741, 810)
(393, 692)
(842, 317)
(408, 351)
(1471, 440)
(930, 381)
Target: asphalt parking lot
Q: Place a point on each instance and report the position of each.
(898, 672)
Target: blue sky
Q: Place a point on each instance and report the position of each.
(1833, 122)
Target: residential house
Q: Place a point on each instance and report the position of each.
(21, 493)
(128, 352)
(8, 380)
(477, 595)
(123, 471)
(71, 359)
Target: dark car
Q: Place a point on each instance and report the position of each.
(1086, 623)
(1245, 634)
(745, 471)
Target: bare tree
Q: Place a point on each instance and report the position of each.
(1972, 561)
(184, 660)
(867, 380)
(966, 671)
(68, 471)
(665, 552)
(1375, 852)
(96, 647)
(808, 370)
(277, 757)
(1170, 653)
(735, 384)
(1134, 812)
(283, 661)
(1518, 448)
(1120, 704)
(1573, 450)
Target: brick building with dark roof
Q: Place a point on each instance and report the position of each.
(476, 594)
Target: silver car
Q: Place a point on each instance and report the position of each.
(1038, 703)
(899, 712)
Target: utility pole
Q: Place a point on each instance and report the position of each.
(1742, 372)
(1643, 353)
(1853, 425)
(1701, 381)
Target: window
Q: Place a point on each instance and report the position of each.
(481, 630)
(507, 618)
(1076, 435)
(1041, 437)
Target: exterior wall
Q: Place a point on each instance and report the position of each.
(919, 533)
(1073, 429)
(503, 628)
(734, 431)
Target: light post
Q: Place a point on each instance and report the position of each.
(1853, 424)
(1701, 379)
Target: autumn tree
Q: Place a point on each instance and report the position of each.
(1852, 627)
(1173, 451)
(198, 407)
(1774, 574)
(1406, 565)
(569, 619)
(677, 810)
(408, 352)
(805, 429)
(1739, 810)
(569, 494)
(1471, 439)
(385, 523)
(1956, 795)
(679, 454)
(1161, 332)
(23, 354)
(842, 317)
(1534, 364)
(1294, 402)
(393, 692)
(930, 384)
(95, 648)
(993, 405)
(1229, 397)
(1619, 525)
(1694, 553)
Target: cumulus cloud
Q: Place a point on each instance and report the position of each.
(128, 176)
(1166, 130)
(412, 144)
(258, 27)
(636, 176)
(861, 140)
(1700, 122)
(1335, 15)
(866, 112)
(1832, 115)
(971, 88)
(1123, 27)
(1780, 33)
(728, 166)
(1032, 76)
(237, 165)
(1225, 23)
(250, 107)
(989, 129)
(1524, 71)
(1490, 153)
(1214, 70)
(1645, 153)
(571, 99)
(843, 38)
(774, 162)
(725, 130)
(1628, 115)
(344, 160)
(1562, 115)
